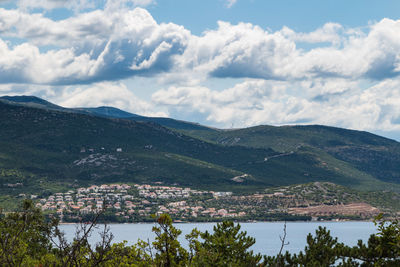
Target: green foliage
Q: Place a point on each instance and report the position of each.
(24, 236)
(48, 143)
(168, 249)
(321, 250)
(27, 239)
(366, 160)
(382, 249)
(227, 246)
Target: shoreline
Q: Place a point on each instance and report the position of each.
(241, 222)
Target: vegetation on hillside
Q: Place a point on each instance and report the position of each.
(362, 153)
(44, 148)
(318, 193)
(26, 239)
(66, 146)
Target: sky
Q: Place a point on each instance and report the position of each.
(221, 63)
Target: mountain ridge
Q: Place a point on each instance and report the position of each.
(103, 111)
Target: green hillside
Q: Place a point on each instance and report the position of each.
(46, 148)
(62, 145)
(106, 112)
(30, 101)
(373, 155)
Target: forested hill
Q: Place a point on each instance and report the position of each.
(104, 111)
(369, 153)
(42, 144)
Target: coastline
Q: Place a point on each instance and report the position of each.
(240, 222)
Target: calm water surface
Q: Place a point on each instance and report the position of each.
(266, 233)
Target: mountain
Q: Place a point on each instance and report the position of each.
(44, 147)
(375, 155)
(104, 111)
(30, 101)
(108, 112)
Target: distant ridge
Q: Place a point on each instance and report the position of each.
(108, 112)
(32, 101)
(104, 111)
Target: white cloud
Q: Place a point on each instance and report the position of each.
(233, 105)
(115, 94)
(329, 33)
(6, 89)
(45, 92)
(245, 50)
(104, 47)
(255, 102)
(25, 64)
(123, 43)
(113, 5)
(284, 83)
(242, 50)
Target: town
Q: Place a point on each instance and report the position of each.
(138, 203)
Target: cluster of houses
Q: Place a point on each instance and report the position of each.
(166, 192)
(135, 201)
(87, 200)
(183, 209)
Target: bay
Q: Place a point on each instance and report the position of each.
(267, 234)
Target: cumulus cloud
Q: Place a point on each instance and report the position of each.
(115, 94)
(25, 64)
(128, 42)
(83, 29)
(247, 51)
(242, 50)
(329, 33)
(88, 54)
(244, 104)
(104, 47)
(257, 102)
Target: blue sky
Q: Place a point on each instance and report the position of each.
(308, 15)
(222, 63)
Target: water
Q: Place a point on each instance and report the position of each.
(266, 233)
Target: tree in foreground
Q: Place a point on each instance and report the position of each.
(24, 237)
(226, 246)
(321, 250)
(28, 239)
(169, 251)
(382, 249)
